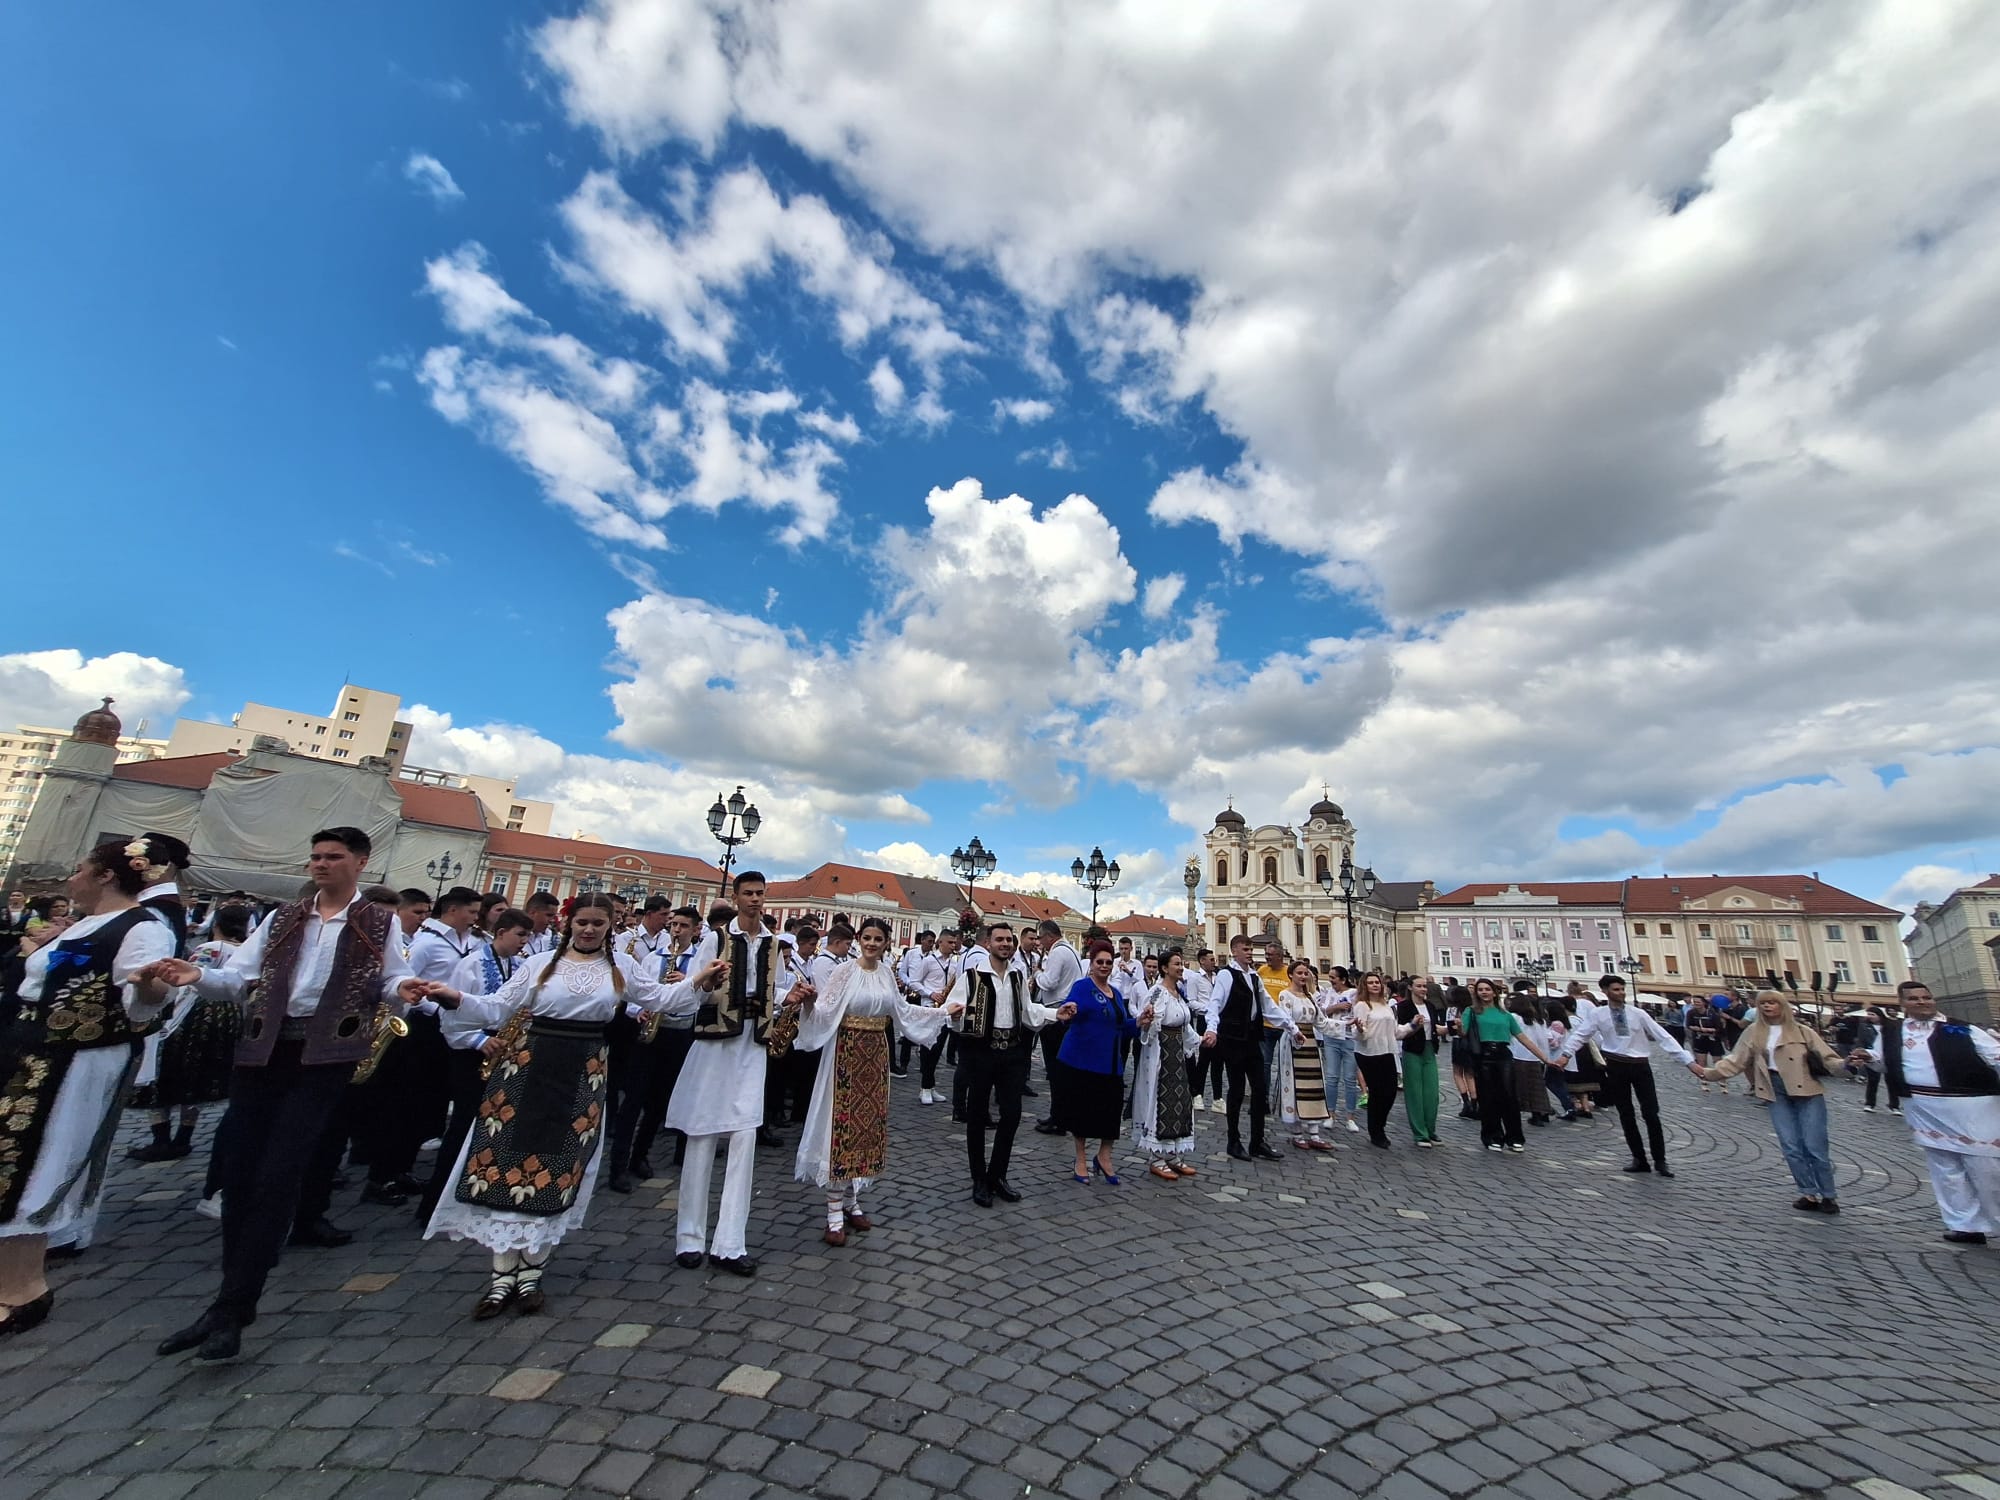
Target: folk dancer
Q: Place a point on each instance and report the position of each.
(67, 1054)
(484, 971)
(1055, 976)
(1301, 1074)
(992, 1008)
(720, 1096)
(848, 1024)
(1163, 1088)
(1626, 1036)
(524, 1178)
(322, 969)
(1948, 1076)
(1239, 1008)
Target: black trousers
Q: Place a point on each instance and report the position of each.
(670, 1052)
(1243, 1066)
(629, 1079)
(280, 1114)
(1627, 1079)
(992, 1080)
(1052, 1040)
(1499, 1107)
(1378, 1076)
(405, 1102)
(1875, 1083)
(1205, 1067)
(467, 1088)
(928, 1060)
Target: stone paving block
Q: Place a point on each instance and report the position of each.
(525, 1384)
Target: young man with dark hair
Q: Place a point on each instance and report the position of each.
(670, 1047)
(1628, 1037)
(313, 979)
(542, 909)
(1057, 973)
(720, 1096)
(993, 1010)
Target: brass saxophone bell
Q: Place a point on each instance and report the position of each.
(387, 1029)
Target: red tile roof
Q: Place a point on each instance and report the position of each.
(829, 884)
(191, 772)
(503, 843)
(1667, 892)
(995, 902)
(1570, 892)
(1140, 924)
(441, 806)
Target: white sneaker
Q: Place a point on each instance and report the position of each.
(435, 1143)
(209, 1208)
(925, 1096)
(1217, 1107)
(1353, 1127)
(1868, 1109)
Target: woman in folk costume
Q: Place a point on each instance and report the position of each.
(1301, 1070)
(194, 1052)
(524, 1177)
(1162, 1097)
(69, 1046)
(847, 1125)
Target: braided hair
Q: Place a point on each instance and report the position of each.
(589, 901)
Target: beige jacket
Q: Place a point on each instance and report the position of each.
(1797, 1042)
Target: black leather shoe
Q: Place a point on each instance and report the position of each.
(619, 1183)
(224, 1341)
(1381, 1141)
(409, 1184)
(34, 1314)
(1027, 1092)
(1965, 1236)
(1663, 1170)
(386, 1193)
(1236, 1150)
(958, 1117)
(321, 1234)
(1264, 1151)
(982, 1195)
(642, 1168)
(688, 1260)
(63, 1252)
(1047, 1127)
(1001, 1191)
(768, 1137)
(191, 1336)
(742, 1265)
(172, 1150)
(1638, 1166)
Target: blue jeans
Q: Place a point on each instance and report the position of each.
(1267, 1042)
(1801, 1127)
(1336, 1057)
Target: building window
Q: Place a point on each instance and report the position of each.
(1708, 964)
(1785, 932)
(1993, 916)
(1270, 870)
(1638, 930)
(1835, 933)
(347, 734)
(1320, 867)
(514, 826)
(1704, 931)
(1222, 934)
(1604, 932)
(498, 885)
(517, 811)
(1222, 872)
(1444, 928)
(1742, 932)
(545, 882)
(1666, 929)
(1520, 929)
(1471, 958)
(1465, 928)
(1326, 935)
(1580, 962)
(1444, 958)
(1878, 973)
(1871, 934)
(321, 729)
(1493, 929)
(1493, 960)
(1576, 932)
(1842, 972)
(338, 754)
(1520, 958)
(350, 718)
(1298, 932)
(1607, 963)
(1645, 965)
(1673, 964)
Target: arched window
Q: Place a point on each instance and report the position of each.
(1270, 869)
(1222, 871)
(1320, 866)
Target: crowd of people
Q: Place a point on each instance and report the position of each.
(538, 1052)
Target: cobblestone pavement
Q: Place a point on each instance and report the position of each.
(1400, 1323)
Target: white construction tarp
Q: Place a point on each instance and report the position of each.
(254, 827)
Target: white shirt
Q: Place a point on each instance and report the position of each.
(312, 968)
(1641, 1035)
(541, 942)
(1920, 1068)
(436, 951)
(1058, 974)
(1195, 986)
(930, 977)
(1268, 1011)
(150, 939)
(1128, 977)
(1005, 1016)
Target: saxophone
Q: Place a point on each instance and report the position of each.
(511, 1034)
(387, 1029)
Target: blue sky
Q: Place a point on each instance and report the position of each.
(259, 344)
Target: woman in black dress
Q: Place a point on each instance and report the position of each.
(1092, 1087)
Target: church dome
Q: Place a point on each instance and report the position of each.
(1229, 817)
(98, 727)
(1327, 810)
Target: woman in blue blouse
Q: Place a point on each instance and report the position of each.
(1092, 1088)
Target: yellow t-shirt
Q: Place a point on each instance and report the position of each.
(1277, 981)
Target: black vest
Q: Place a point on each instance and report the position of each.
(171, 911)
(1241, 1016)
(1960, 1068)
(982, 1004)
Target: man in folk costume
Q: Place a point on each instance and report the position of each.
(1950, 1073)
(720, 1095)
(1240, 1007)
(1055, 976)
(848, 1025)
(992, 1008)
(314, 978)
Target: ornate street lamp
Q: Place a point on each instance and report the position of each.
(590, 885)
(444, 870)
(1350, 881)
(969, 864)
(1094, 877)
(733, 823)
(1537, 969)
(1631, 968)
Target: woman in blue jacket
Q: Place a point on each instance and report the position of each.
(1093, 1088)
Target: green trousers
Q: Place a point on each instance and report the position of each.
(1420, 1094)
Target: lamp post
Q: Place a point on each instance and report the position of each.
(444, 870)
(1350, 881)
(1094, 877)
(590, 885)
(1191, 877)
(969, 864)
(1537, 969)
(1630, 968)
(633, 893)
(733, 822)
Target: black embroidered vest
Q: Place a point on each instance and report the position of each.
(724, 1014)
(1960, 1068)
(982, 1007)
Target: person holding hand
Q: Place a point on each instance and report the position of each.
(1779, 1055)
(1092, 1091)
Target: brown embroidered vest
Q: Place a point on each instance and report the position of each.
(726, 1011)
(342, 1028)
